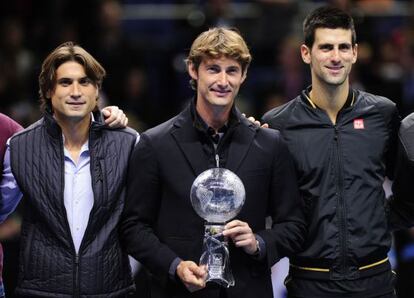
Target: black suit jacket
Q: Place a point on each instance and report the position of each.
(160, 224)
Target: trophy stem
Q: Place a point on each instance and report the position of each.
(216, 255)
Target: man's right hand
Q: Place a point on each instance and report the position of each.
(256, 122)
(115, 117)
(192, 275)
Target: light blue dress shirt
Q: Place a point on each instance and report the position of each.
(78, 193)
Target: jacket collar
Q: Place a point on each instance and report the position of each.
(350, 101)
(188, 139)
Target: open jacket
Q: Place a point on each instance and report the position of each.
(160, 223)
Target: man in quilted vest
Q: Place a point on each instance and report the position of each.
(70, 168)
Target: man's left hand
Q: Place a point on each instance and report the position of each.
(241, 235)
(115, 117)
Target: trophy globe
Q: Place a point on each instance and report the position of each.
(217, 195)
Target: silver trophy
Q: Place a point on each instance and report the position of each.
(217, 195)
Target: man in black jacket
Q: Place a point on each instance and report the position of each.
(160, 227)
(71, 169)
(403, 184)
(343, 143)
(403, 192)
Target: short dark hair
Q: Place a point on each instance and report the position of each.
(67, 51)
(327, 17)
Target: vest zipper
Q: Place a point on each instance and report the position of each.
(76, 290)
(217, 160)
(76, 277)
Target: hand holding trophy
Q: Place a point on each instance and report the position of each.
(217, 195)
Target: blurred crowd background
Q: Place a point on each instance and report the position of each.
(142, 45)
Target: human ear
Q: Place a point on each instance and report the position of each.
(355, 53)
(192, 71)
(306, 53)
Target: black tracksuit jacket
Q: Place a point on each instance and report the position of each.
(341, 169)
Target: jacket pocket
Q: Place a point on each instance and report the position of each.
(27, 250)
(102, 177)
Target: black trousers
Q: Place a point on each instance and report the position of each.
(376, 286)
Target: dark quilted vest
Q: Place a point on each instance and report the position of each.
(49, 266)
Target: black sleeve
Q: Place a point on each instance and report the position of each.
(274, 119)
(286, 208)
(402, 202)
(141, 212)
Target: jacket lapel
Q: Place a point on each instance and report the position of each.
(187, 140)
(240, 143)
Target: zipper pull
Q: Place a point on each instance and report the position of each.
(217, 160)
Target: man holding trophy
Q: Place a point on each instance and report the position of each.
(201, 185)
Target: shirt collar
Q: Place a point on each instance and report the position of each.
(201, 125)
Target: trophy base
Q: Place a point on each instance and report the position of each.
(222, 282)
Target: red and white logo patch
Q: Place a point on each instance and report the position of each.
(359, 124)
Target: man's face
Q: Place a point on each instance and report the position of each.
(331, 56)
(218, 81)
(74, 96)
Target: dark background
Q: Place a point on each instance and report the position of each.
(142, 45)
